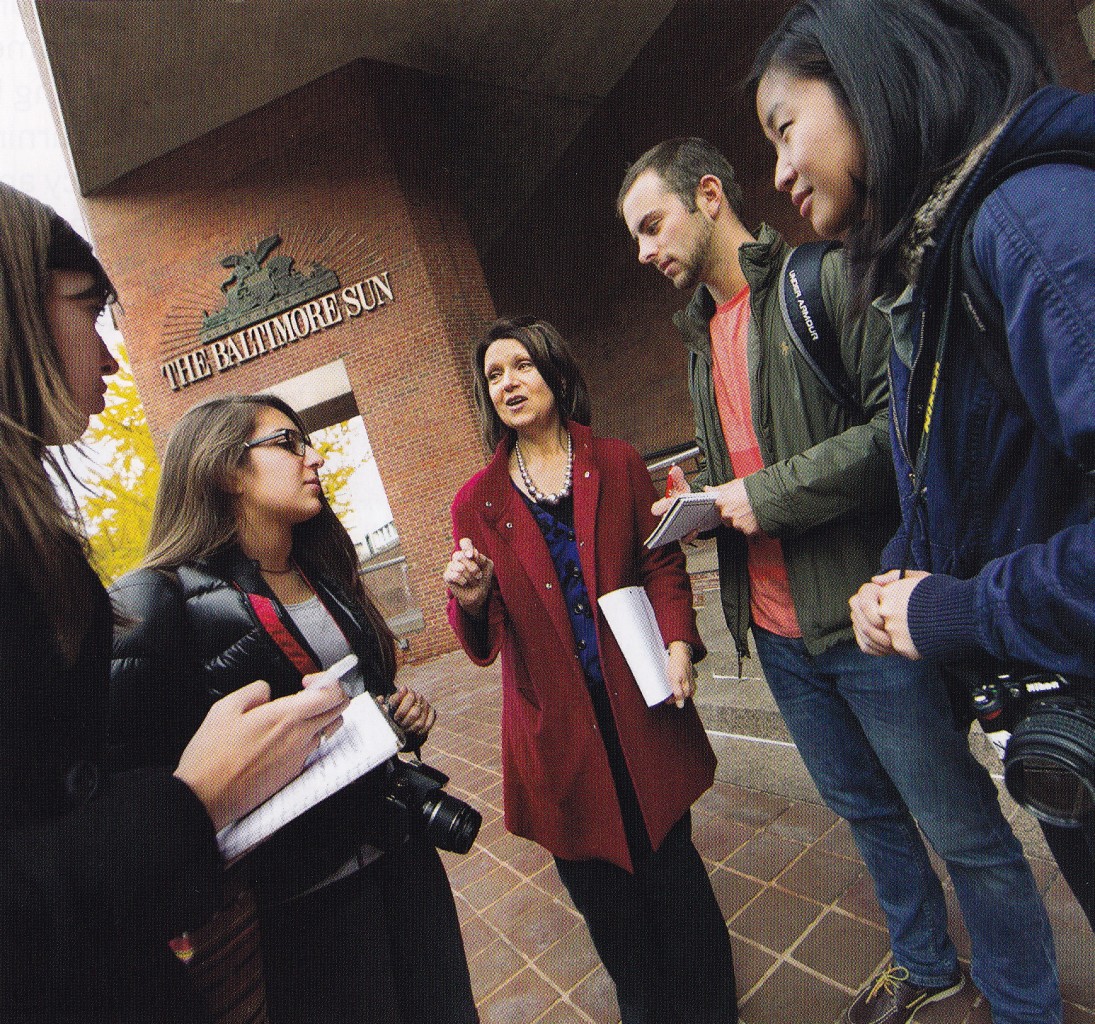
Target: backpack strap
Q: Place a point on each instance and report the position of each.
(986, 323)
(808, 323)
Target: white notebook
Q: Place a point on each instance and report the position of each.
(688, 513)
(364, 741)
(634, 625)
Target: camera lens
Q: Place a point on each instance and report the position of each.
(450, 823)
(1049, 767)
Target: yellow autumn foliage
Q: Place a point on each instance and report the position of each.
(122, 480)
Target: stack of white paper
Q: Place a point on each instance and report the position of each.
(631, 617)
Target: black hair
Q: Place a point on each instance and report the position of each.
(552, 357)
(681, 163)
(923, 81)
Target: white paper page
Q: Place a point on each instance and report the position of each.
(364, 741)
(635, 626)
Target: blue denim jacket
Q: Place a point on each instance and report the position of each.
(1006, 518)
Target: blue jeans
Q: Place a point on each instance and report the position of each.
(879, 739)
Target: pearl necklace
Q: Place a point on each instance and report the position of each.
(534, 492)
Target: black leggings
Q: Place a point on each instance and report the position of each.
(659, 933)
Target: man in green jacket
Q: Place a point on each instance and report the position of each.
(806, 494)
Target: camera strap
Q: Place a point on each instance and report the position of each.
(919, 488)
(268, 617)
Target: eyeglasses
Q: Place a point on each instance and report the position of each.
(288, 438)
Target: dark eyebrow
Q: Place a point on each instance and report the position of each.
(642, 225)
(769, 120)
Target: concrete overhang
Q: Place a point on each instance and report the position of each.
(134, 79)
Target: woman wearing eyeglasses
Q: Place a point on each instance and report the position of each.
(590, 772)
(249, 574)
(97, 870)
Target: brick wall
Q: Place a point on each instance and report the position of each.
(323, 167)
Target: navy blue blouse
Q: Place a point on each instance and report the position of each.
(558, 531)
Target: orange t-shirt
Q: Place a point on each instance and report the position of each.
(770, 602)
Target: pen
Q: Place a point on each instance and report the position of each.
(669, 482)
(331, 676)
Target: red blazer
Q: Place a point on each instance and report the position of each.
(557, 785)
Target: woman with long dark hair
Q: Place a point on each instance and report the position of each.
(98, 871)
(966, 204)
(604, 782)
(249, 573)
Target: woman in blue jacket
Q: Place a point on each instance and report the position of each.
(993, 366)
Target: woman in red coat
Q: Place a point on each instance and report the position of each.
(605, 783)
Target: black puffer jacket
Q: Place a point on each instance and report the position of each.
(190, 637)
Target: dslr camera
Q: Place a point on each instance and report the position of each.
(1048, 725)
(413, 801)
(414, 797)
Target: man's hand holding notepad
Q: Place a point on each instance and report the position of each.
(691, 512)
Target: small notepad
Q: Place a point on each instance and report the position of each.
(364, 741)
(689, 513)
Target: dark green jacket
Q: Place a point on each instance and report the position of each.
(827, 489)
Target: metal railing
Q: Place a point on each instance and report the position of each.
(688, 456)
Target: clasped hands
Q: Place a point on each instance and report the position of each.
(880, 613)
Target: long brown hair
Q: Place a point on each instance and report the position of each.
(41, 540)
(195, 513)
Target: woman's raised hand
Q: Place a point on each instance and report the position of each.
(249, 746)
(468, 576)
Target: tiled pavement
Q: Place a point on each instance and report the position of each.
(804, 924)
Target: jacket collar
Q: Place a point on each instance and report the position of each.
(761, 262)
(1053, 118)
(500, 504)
(230, 565)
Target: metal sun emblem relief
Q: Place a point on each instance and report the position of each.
(259, 288)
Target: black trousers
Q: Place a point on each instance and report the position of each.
(1074, 851)
(382, 946)
(659, 932)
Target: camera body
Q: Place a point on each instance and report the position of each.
(415, 801)
(1045, 725)
(1001, 703)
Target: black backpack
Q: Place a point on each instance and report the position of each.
(817, 342)
(807, 320)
